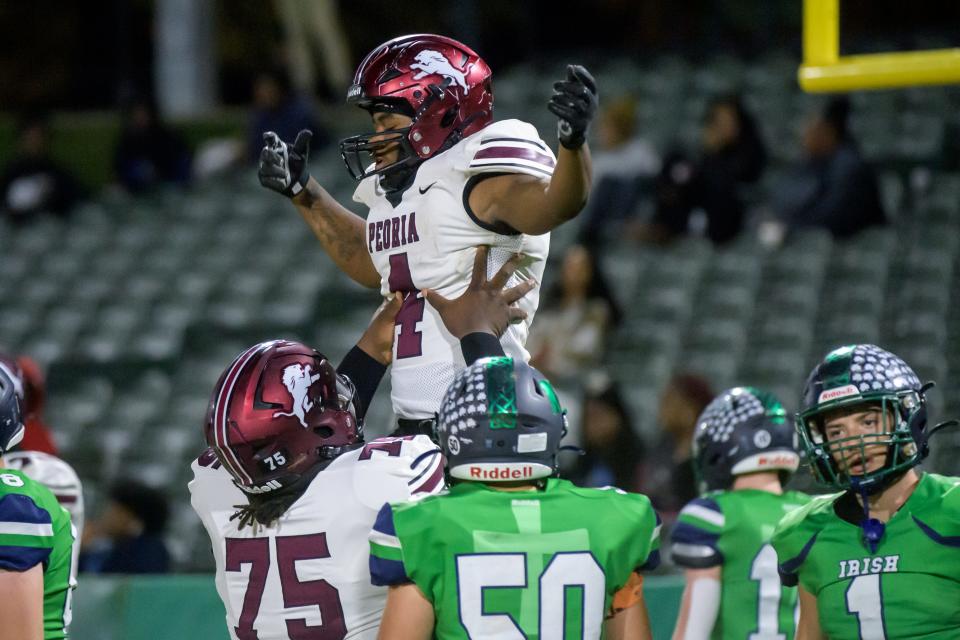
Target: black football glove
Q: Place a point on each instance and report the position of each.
(283, 168)
(575, 102)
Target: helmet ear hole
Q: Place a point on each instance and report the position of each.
(323, 432)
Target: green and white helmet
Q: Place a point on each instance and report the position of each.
(500, 421)
(863, 374)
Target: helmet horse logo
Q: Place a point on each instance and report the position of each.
(297, 379)
(430, 62)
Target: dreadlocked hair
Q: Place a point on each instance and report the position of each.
(265, 509)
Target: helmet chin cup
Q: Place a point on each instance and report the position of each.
(357, 153)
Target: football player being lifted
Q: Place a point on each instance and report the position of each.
(288, 490)
(743, 454)
(501, 553)
(440, 177)
(880, 559)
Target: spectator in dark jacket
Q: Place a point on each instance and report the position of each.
(732, 157)
(667, 476)
(128, 537)
(33, 182)
(279, 108)
(148, 153)
(835, 188)
(612, 450)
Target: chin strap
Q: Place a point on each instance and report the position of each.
(873, 529)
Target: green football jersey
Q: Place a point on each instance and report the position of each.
(505, 565)
(35, 529)
(732, 530)
(908, 588)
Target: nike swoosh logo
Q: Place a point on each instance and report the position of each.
(423, 190)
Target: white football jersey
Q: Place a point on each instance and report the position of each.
(308, 575)
(428, 242)
(59, 477)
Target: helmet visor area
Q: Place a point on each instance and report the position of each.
(866, 457)
(360, 152)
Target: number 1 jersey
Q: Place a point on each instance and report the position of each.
(909, 587)
(307, 575)
(428, 240)
(732, 530)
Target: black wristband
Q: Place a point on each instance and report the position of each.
(365, 373)
(480, 345)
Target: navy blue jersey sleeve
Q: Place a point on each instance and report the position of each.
(386, 554)
(694, 541)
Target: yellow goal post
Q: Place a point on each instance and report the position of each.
(824, 70)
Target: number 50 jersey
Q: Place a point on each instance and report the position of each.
(525, 564)
(427, 241)
(307, 575)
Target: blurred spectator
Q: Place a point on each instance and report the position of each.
(33, 182)
(612, 450)
(32, 390)
(667, 475)
(148, 153)
(128, 537)
(834, 188)
(732, 157)
(623, 169)
(311, 27)
(572, 327)
(277, 107)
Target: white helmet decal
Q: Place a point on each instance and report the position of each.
(430, 62)
(298, 379)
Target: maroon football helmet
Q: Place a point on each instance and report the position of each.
(441, 83)
(277, 411)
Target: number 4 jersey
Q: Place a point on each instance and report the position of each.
(510, 565)
(908, 588)
(732, 530)
(307, 575)
(428, 240)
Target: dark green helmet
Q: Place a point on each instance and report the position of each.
(500, 421)
(866, 375)
(743, 430)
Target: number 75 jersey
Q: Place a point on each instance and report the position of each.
(307, 576)
(908, 588)
(427, 240)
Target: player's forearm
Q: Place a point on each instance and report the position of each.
(341, 232)
(21, 607)
(630, 624)
(565, 195)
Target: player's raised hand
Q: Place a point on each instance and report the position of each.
(485, 307)
(283, 167)
(377, 340)
(575, 102)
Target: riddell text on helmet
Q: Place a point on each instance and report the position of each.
(501, 474)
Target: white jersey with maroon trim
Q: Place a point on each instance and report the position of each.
(428, 241)
(309, 572)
